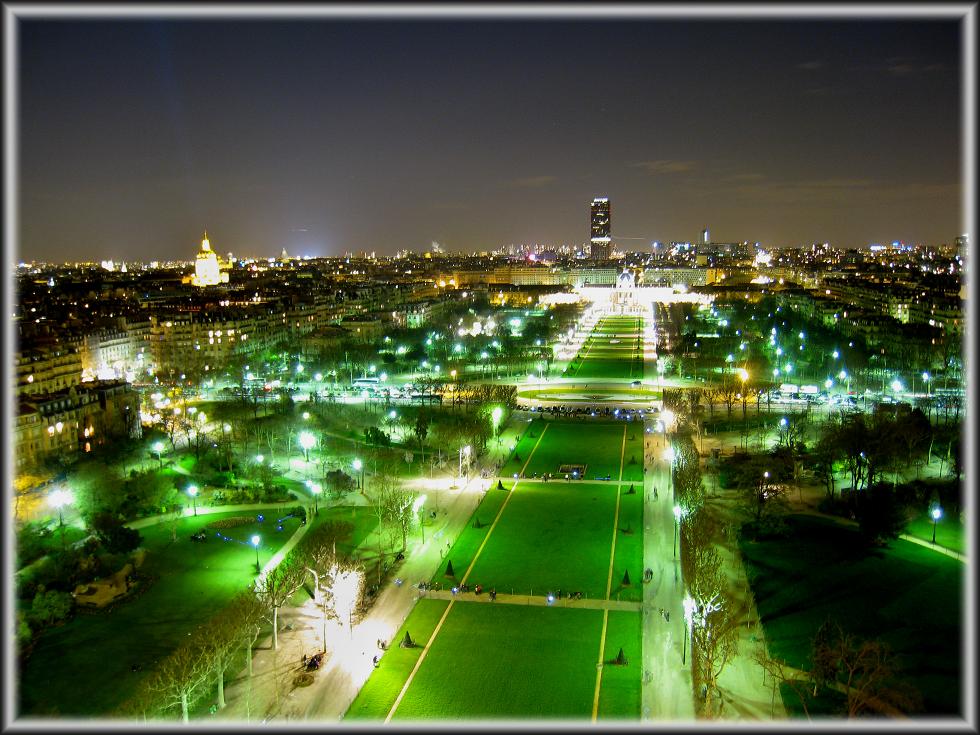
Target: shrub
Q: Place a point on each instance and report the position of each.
(50, 607)
(115, 537)
(31, 538)
(24, 633)
(881, 515)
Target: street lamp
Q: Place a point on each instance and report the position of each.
(255, 543)
(59, 499)
(936, 514)
(192, 491)
(464, 452)
(925, 379)
(496, 415)
(689, 607)
(678, 514)
(669, 455)
(316, 489)
(158, 448)
(359, 467)
(307, 441)
(417, 510)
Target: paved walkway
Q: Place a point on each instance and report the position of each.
(585, 603)
(667, 692)
(348, 663)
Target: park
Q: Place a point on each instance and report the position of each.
(584, 561)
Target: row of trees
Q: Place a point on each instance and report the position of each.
(197, 667)
(866, 447)
(709, 606)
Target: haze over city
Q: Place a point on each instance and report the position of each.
(325, 136)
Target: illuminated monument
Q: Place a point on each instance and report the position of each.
(207, 270)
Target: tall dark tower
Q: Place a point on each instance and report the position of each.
(601, 227)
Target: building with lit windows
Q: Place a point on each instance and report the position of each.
(601, 229)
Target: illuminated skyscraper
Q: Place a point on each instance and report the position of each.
(601, 227)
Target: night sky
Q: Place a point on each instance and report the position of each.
(326, 136)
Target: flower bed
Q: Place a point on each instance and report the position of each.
(231, 522)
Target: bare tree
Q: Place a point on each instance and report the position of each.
(714, 642)
(866, 671)
(276, 587)
(250, 610)
(180, 677)
(782, 673)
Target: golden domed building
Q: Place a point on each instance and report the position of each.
(207, 269)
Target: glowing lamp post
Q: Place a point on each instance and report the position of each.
(925, 379)
(669, 455)
(307, 441)
(464, 452)
(358, 466)
(496, 415)
(255, 542)
(936, 514)
(346, 588)
(689, 607)
(158, 449)
(417, 510)
(59, 499)
(678, 515)
(192, 491)
(316, 489)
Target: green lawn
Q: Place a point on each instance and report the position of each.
(599, 446)
(463, 551)
(551, 536)
(619, 693)
(906, 595)
(82, 668)
(613, 350)
(629, 546)
(950, 532)
(362, 517)
(380, 691)
(493, 661)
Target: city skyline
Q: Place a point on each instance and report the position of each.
(332, 136)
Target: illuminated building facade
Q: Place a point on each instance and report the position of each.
(601, 227)
(207, 271)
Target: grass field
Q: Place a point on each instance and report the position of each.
(906, 595)
(82, 668)
(490, 661)
(599, 446)
(619, 695)
(379, 692)
(551, 536)
(614, 350)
